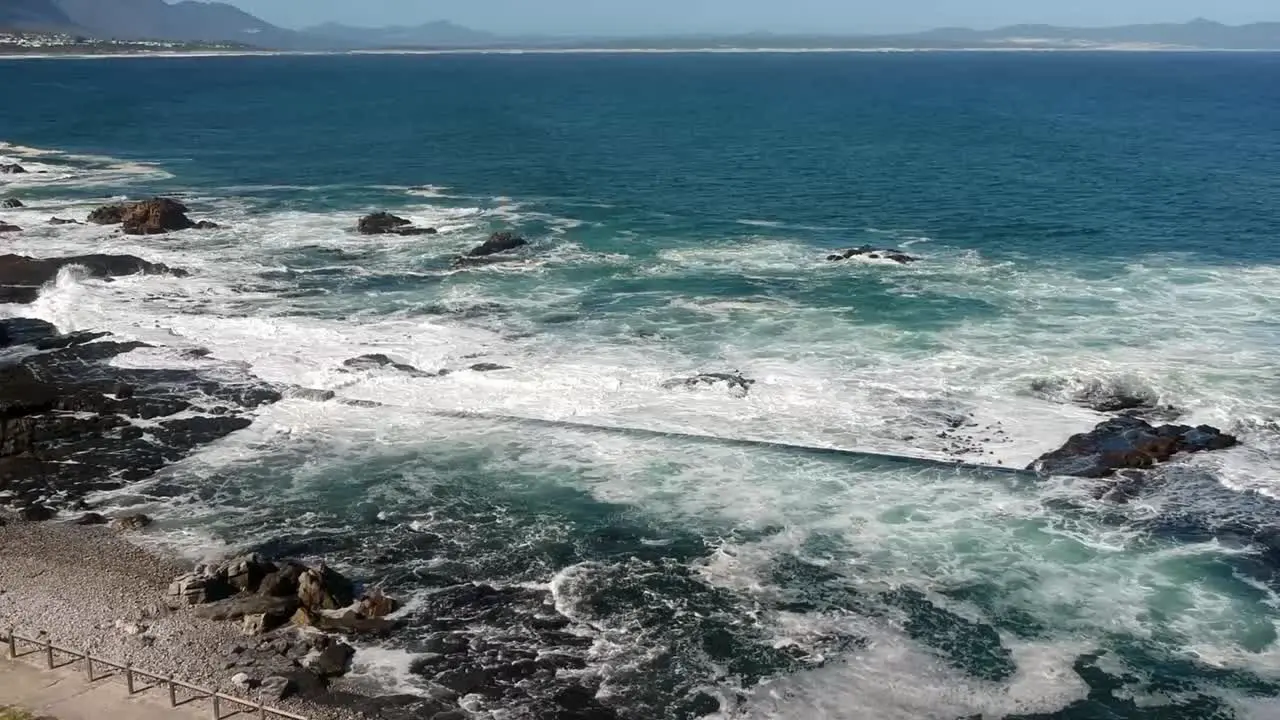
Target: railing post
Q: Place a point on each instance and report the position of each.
(217, 710)
(88, 663)
(173, 693)
(128, 677)
(13, 644)
(48, 650)
(262, 711)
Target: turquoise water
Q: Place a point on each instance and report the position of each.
(1086, 222)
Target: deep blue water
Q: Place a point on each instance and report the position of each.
(1087, 224)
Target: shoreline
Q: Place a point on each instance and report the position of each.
(629, 51)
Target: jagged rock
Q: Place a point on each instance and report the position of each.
(198, 588)
(11, 203)
(245, 573)
(280, 584)
(133, 522)
(277, 687)
(376, 604)
(155, 216)
(36, 513)
(324, 588)
(497, 243)
(734, 380)
(260, 623)
(206, 225)
(92, 518)
(62, 221)
(332, 661)
(243, 681)
(1127, 442)
(873, 253)
(11, 169)
(6, 227)
(108, 215)
(235, 608)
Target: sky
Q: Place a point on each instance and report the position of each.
(633, 17)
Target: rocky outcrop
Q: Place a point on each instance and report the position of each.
(148, 217)
(6, 227)
(22, 277)
(384, 223)
(873, 253)
(67, 430)
(498, 243)
(1128, 443)
(378, 360)
(11, 169)
(734, 381)
(63, 221)
(11, 203)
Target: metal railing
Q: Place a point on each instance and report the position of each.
(131, 674)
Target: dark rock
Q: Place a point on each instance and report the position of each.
(11, 169)
(131, 522)
(1128, 443)
(108, 215)
(378, 360)
(497, 243)
(734, 380)
(123, 391)
(347, 622)
(376, 604)
(277, 687)
(198, 588)
(897, 256)
(237, 607)
(488, 367)
(155, 216)
(6, 227)
(91, 519)
(62, 221)
(278, 584)
(11, 203)
(36, 513)
(332, 661)
(384, 223)
(206, 225)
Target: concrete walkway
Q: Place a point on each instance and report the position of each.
(66, 694)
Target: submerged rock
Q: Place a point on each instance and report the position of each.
(107, 215)
(22, 277)
(11, 203)
(873, 253)
(384, 223)
(734, 381)
(1127, 442)
(378, 360)
(62, 221)
(11, 169)
(498, 243)
(6, 227)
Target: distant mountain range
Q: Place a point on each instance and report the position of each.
(197, 21)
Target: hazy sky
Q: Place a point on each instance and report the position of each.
(646, 16)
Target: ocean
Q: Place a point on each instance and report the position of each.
(1087, 225)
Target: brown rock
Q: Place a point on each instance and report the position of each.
(132, 522)
(108, 215)
(376, 604)
(323, 588)
(240, 606)
(380, 223)
(155, 216)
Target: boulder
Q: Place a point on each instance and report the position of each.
(62, 221)
(206, 225)
(384, 223)
(277, 687)
(333, 661)
(6, 227)
(873, 253)
(378, 360)
(261, 623)
(497, 243)
(92, 518)
(1127, 442)
(245, 573)
(346, 621)
(240, 606)
(279, 584)
(198, 588)
(376, 604)
(36, 513)
(11, 169)
(155, 216)
(488, 367)
(132, 522)
(243, 681)
(11, 203)
(323, 588)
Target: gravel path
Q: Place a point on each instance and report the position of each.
(88, 587)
